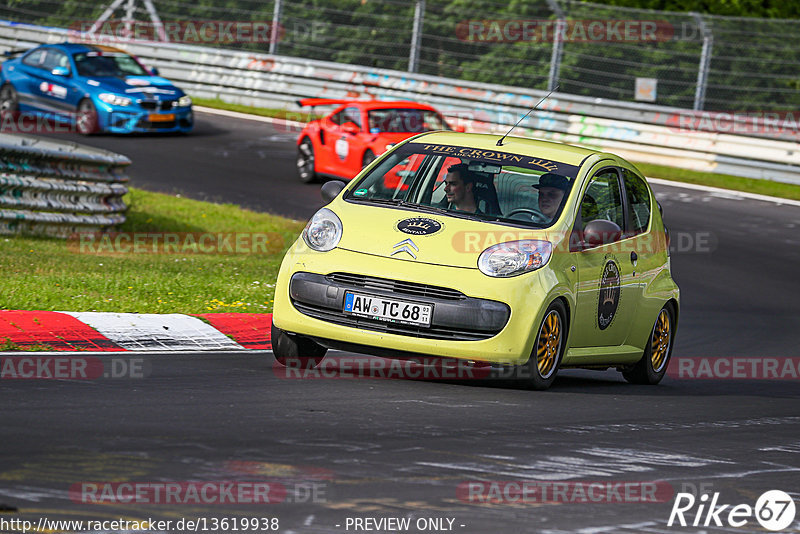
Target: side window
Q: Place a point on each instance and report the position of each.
(338, 119)
(352, 115)
(54, 59)
(35, 58)
(638, 196)
(603, 199)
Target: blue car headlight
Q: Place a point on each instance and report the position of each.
(184, 102)
(114, 100)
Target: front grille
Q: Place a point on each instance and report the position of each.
(399, 287)
(455, 317)
(432, 332)
(156, 105)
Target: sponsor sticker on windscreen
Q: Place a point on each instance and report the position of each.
(390, 310)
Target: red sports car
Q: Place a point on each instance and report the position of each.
(345, 141)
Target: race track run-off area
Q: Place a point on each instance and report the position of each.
(179, 440)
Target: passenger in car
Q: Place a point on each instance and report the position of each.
(552, 188)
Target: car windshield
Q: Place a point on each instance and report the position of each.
(108, 64)
(404, 120)
(470, 182)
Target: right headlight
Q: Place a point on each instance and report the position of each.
(514, 257)
(323, 231)
(114, 100)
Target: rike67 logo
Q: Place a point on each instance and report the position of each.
(774, 510)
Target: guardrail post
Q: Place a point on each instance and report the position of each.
(705, 63)
(416, 36)
(558, 45)
(276, 20)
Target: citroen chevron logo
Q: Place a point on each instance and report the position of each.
(405, 244)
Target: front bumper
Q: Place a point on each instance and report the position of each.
(455, 316)
(128, 120)
(494, 320)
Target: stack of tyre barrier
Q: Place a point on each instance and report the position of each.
(59, 189)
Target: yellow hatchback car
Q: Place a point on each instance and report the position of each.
(500, 251)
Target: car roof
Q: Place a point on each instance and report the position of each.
(78, 48)
(571, 155)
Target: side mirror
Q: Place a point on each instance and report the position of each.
(154, 71)
(60, 71)
(459, 129)
(601, 232)
(331, 190)
(350, 128)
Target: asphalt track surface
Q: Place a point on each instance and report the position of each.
(374, 448)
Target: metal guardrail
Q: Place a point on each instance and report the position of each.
(57, 188)
(640, 132)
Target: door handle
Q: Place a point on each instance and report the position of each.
(634, 257)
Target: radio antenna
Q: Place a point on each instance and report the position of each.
(500, 141)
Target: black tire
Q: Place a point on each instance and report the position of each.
(651, 369)
(305, 161)
(86, 121)
(548, 349)
(296, 351)
(9, 99)
(369, 157)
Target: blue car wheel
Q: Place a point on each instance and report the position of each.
(86, 121)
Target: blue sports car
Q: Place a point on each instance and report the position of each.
(98, 88)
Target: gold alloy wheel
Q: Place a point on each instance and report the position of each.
(549, 344)
(660, 340)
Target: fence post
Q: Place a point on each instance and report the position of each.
(276, 20)
(416, 36)
(558, 45)
(705, 63)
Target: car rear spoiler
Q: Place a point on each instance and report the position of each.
(321, 101)
(9, 53)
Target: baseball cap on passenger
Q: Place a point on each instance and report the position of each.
(553, 180)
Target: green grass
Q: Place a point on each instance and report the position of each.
(723, 181)
(299, 115)
(9, 346)
(52, 274)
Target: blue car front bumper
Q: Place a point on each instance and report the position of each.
(130, 120)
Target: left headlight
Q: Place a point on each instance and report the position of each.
(184, 101)
(514, 258)
(323, 231)
(114, 100)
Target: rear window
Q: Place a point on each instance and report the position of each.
(403, 120)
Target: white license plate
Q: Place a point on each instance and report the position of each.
(391, 310)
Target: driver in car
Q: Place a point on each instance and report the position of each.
(458, 188)
(552, 188)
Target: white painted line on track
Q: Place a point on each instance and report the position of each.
(247, 116)
(727, 192)
(157, 332)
